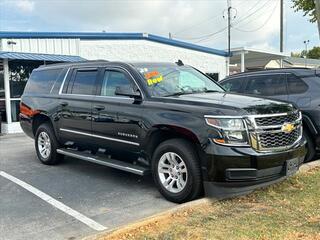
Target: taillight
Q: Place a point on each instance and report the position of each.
(27, 111)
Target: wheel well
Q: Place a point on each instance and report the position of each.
(160, 135)
(38, 120)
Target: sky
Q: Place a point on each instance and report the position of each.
(255, 22)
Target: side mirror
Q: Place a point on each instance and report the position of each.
(128, 92)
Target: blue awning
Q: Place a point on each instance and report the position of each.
(40, 57)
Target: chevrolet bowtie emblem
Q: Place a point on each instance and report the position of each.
(287, 127)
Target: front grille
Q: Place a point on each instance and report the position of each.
(277, 120)
(268, 135)
(278, 139)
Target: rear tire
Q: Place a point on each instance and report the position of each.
(46, 145)
(311, 152)
(176, 171)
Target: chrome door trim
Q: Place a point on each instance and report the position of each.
(99, 136)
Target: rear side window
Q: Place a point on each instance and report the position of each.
(267, 85)
(296, 85)
(84, 82)
(42, 81)
(233, 85)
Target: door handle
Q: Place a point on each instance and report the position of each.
(99, 107)
(64, 104)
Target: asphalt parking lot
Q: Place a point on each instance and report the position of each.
(49, 202)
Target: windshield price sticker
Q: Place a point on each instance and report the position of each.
(153, 77)
(154, 80)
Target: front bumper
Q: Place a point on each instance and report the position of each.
(230, 171)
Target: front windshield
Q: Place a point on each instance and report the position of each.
(166, 80)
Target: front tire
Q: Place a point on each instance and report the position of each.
(311, 152)
(46, 145)
(176, 171)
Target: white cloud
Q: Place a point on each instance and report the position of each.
(186, 19)
(25, 5)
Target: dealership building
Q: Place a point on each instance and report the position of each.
(21, 52)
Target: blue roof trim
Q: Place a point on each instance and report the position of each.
(187, 45)
(40, 57)
(118, 36)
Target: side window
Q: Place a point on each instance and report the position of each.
(296, 85)
(41, 81)
(267, 85)
(233, 85)
(84, 82)
(113, 79)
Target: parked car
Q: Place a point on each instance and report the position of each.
(164, 118)
(300, 86)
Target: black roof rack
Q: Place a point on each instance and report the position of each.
(271, 70)
(84, 62)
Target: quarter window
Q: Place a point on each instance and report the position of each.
(84, 81)
(41, 81)
(113, 79)
(296, 85)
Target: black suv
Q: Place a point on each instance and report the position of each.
(164, 118)
(300, 86)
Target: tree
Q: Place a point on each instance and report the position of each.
(314, 53)
(308, 7)
(295, 54)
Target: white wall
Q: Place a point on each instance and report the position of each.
(69, 46)
(143, 50)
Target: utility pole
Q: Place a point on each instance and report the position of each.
(281, 25)
(229, 12)
(317, 3)
(229, 28)
(306, 42)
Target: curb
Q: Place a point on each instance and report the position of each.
(153, 218)
(193, 204)
(308, 166)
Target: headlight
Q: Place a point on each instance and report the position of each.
(232, 131)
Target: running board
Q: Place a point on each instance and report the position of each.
(124, 166)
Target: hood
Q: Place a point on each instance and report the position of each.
(242, 104)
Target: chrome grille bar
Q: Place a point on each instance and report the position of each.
(266, 133)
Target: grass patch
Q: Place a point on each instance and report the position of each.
(287, 210)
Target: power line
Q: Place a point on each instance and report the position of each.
(197, 24)
(209, 36)
(249, 15)
(263, 24)
(201, 22)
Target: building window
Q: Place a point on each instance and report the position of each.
(3, 113)
(3, 116)
(15, 110)
(2, 95)
(19, 74)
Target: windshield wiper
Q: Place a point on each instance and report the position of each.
(176, 94)
(210, 91)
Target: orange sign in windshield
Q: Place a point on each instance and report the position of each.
(151, 74)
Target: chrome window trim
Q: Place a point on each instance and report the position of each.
(105, 68)
(122, 68)
(63, 81)
(99, 136)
